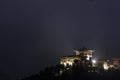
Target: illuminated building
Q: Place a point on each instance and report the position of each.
(105, 64)
(69, 60)
(81, 55)
(85, 57)
(116, 63)
(84, 53)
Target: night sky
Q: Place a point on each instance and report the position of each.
(34, 33)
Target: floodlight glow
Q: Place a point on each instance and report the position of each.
(88, 57)
(94, 61)
(105, 66)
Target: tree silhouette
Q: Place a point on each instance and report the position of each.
(76, 72)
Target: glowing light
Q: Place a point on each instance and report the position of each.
(88, 57)
(94, 61)
(105, 66)
(67, 63)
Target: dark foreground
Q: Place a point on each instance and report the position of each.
(76, 72)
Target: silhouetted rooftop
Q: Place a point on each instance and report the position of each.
(83, 49)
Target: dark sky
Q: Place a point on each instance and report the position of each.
(34, 33)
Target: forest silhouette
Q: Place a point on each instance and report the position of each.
(76, 72)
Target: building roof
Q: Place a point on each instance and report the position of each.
(83, 49)
(69, 56)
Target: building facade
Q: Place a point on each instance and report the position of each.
(82, 55)
(85, 57)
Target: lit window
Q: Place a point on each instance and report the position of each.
(68, 62)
